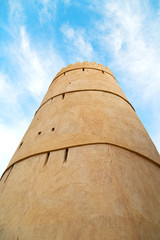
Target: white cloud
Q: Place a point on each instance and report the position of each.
(129, 31)
(67, 1)
(9, 104)
(16, 16)
(16, 11)
(31, 68)
(34, 64)
(47, 10)
(9, 140)
(7, 93)
(31, 65)
(68, 31)
(34, 70)
(132, 41)
(78, 43)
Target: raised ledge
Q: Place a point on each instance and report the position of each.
(84, 64)
(153, 161)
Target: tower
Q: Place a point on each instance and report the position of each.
(86, 167)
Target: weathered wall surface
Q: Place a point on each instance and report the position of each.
(86, 167)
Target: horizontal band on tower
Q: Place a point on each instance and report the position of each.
(81, 67)
(156, 163)
(100, 118)
(84, 90)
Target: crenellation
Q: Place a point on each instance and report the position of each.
(85, 64)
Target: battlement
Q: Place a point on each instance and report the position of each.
(85, 65)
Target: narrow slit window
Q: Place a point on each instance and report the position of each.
(64, 73)
(47, 158)
(53, 129)
(103, 72)
(63, 95)
(82, 69)
(65, 155)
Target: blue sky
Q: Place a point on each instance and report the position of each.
(39, 37)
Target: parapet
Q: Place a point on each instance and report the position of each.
(86, 65)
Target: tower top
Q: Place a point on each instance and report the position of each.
(86, 65)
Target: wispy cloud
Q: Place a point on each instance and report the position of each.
(31, 68)
(78, 43)
(131, 36)
(131, 39)
(16, 15)
(16, 10)
(7, 91)
(47, 10)
(34, 63)
(9, 140)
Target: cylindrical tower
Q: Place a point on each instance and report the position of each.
(86, 167)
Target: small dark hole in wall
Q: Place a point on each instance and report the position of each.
(65, 155)
(53, 129)
(47, 158)
(64, 73)
(103, 72)
(70, 83)
(83, 69)
(63, 95)
(39, 133)
(20, 144)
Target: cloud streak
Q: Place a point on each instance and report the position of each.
(129, 32)
(47, 10)
(79, 45)
(132, 42)
(31, 68)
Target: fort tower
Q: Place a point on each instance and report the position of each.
(86, 169)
